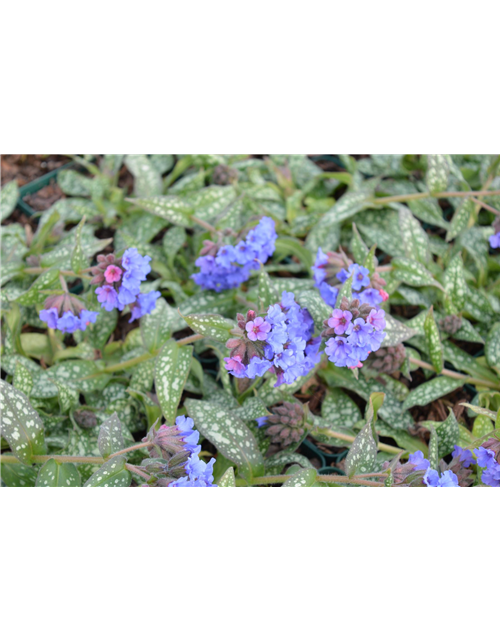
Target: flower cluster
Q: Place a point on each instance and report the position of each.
(287, 423)
(120, 281)
(280, 343)
(332, 269)
(66, 313)
(487, 458)
(495, 240)
(228, 266)
(353, 332)
(431, 476)
(174, 455)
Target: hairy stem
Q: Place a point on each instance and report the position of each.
(140, 445)
(9, 459)
(444, 194)
(455, 374)
(194, 338)
(280, 479)
(133, 469)
(347, 438)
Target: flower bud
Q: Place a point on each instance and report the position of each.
(287, 424)
(450, 324)
(387, 359)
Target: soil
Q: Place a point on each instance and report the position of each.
(26, 168)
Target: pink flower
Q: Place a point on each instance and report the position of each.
(113, 273)
(235, 366)
(258, 329)
(376, 318)
(384, 294)
(340, 321)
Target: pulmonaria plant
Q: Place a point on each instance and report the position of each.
(66, 313)
(228, 266)
(287, 425)
(332, 269)
(120, 280)
(488, 458)
(353, 332)
(174, 456)
(281, 343)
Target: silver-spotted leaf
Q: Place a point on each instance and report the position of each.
(229, 434)
(23, 380)
(432, 390)
(8, 198)
(317, 307)
(303, 478)
(110, 438)
(210, 325)
(112, 474)
(415, 240)
(57, 474)
(156, 326)
(171, 208)
(147, 178)
(413, 273)
(448, 435)
(396, 332)
(433, 341)
(492, 347)
(171, 371)
(460, 218)
(362, 454)
(37, 291)
(454, 281)
(267, 291)
(228, 479)
(21, 425)
(437, 174)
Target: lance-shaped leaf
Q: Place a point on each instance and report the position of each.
(396, 332)
(156, 326)
(482, 427)
(228, 479)
(210, 325)
(362, 455)
(112, 474)
(172, 242)
(267, 291)
(8, 198)
(147, 179)
(462, 361)
(433, 341)
(454, 282)
(37, 291)
(18, 475)
(437, 173)
(229, 434)
(324, 234)
(340, 410)
(346, 207)
(275, 464)
(171, 208)
(415, 240)
(98, 333)
(23, 380)
(252, 409)
(428, 210)
(57, 474)
(68, 397)
(171, 371)
(433, 446)
(83, 375)
(78, 257)
(432, 390)
(21, 424)
(358, 247)
(460, 218)
(492, 348)
(110, 438)
(303, 478)
(317, 307)
(345, 291)
(413, 273)
(448, 434)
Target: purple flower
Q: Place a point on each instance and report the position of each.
(132, 261)
(318, 268)
(491, 476)
(108, 297)
(188, 434)
(261, 422)
(485, 457)
(126, 297)
(360, 276)
(87, 317)
(50, 316)
(328, 293)
(495, 240)
(417, 458)
(376, 318)
(235, 366)
(68, 323)
(145, 304)
(370, 296)
(464, 456)
(199, 473)
(432, 479)
(340, 321)
(340, 352)
(226, 255)
(359, 332)
(258, 329)
(258, 367)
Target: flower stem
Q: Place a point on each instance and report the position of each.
(455, 374)
(133, 469)
(9, 459)
(443, 194)
(359, 480)
(347, 438)
(194, 338)
(205, 225)
(140, 445)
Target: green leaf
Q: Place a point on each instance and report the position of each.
(112, 474)
(345, 290)
(276, 463)
(482, 427)
(267, 291)
(462, 361)
(454, 282)
(324, 234)
(147, 179)
(396, 332)
(460, 219)
(156, 326)
(448, 435)
(21, 424)
(171, 208)
(78, 257)
(68, 397)
(162, 162)
(346, 207)
(83, 375)
(23, 380)
(229, 434)
(210, 325)
(110, 438)
(428, 210)
(433, 341)
(228, 479)
(303, 478)
(317, 307)
(437, 173)
(74, 183)
(362, 454)
(432, 390)
(340, 410)
(433, 448)
(57, 474)
(358, 247)
(99, 332)
(415, 240)
(171, 371)
(492, 347)
(292, 247)
(18, 475)
(172, 242)
(9, 195)
(252, 409)
(37, 292)
(413, 273)
(402, 438)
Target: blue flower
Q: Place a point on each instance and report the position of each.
(318, 267)
(464, 455)
(132, 261)
(370, 296)
(87, 317)
(329, 293)
(50, 316)
(360, 276)
(432, 479)
(359, 332)
(188, 434)
(495, 240)
(199, 473)
(417, 458)
(68, 323)
(226, 255)
(340, 352)
(485, 457)
(258, 367)
(145, 304)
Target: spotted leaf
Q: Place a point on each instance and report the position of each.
(171, 208)
(303, 478)
(433, 341)
(171, 371)
(210, 325)
(21, 424)
(437, 173)
(23, 380)
(228, 479)
(147, 179)
(112, 474)
(57, 474)
(454, 282)
(493, 346)
(415, 240)
(267, 291)
(156, 326)
(362, 455)
(110, 438)
(396, 332)
(37, 291)
(432, 390)
(409, 271)
(460, 219)
(8, 198)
